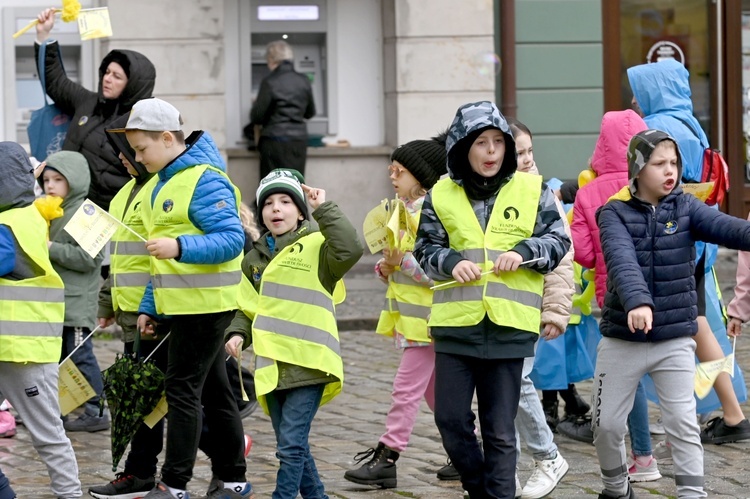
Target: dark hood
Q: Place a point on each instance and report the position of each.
(141, 78)
(470, 121)
(17, 185)
(120, 144)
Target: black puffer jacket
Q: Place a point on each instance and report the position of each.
(649, 253)
(283, 104)
(93, 114)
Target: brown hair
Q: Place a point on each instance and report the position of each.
(179, 135)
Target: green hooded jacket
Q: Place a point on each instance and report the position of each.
(80, 273)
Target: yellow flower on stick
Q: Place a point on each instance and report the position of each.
(69, 12)
(49, 207)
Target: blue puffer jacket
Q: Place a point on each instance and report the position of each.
(213, 210)
(650, 258)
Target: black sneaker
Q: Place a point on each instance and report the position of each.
(124, 486)
(87, 422)
(577, 428)
(717, 431)
(448, 472)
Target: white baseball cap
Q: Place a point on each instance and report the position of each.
(153, 115)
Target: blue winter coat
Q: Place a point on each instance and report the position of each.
(649, 253)
(213, 210)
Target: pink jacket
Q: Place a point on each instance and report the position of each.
(739, 307)
(610, 163)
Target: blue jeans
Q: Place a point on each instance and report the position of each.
(6, 491)
(85, 361)
(531, 423)
(640, 436)
(292, 412)
(497, 382)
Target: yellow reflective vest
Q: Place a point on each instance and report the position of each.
(407, 306)
(511, 299)
(32, 310)
(575, 311)
(130, 265)
(187, 288)
(294, 318)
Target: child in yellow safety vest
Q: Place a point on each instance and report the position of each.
(414, 169)
(287, 311)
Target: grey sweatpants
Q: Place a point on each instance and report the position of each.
(619, 366)
(33, 392)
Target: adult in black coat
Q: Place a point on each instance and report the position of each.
(284, 102)
(125, 77)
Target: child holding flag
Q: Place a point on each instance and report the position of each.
(31, 319)
(66, 175)
(414, 169)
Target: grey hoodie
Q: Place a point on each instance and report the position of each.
(79, 272)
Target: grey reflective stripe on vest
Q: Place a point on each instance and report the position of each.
(575, 311)
(475, 255)
(134, 248)
(298, 331)
(32, 293)
(500, 290)
(493, 254)
(20, 328)
(688, 480)
(411, 310)
(131, 279)
(261, 362)
(196, 280)
(458, 293)
(299, 295)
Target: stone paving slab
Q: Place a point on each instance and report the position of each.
(355, 420)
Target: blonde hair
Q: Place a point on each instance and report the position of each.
(248, 222)
(279, 51)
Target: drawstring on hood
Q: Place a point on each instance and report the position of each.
(469, 123)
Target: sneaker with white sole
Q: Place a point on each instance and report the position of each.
(657, 428)
(547, 474)
(638, 472)
(663, 452)
(124, 486)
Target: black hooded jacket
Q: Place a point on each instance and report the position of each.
(93, 114)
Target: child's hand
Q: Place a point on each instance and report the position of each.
(105, 321)
(393, 256)
(734, 327)
(163, 248)
(386, 269)
(315, 196)
(466, 271)
(233, 346)
(550, 332)
(640, 318)
(507, 262)
(146, 325)
(46, 20)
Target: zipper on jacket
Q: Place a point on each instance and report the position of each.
(653, 254)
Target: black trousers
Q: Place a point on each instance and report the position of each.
(489, 471)
(275, 154)
(196, 379)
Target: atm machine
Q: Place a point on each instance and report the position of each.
(304, 26)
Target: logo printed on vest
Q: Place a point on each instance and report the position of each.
(293, 262)
(167, 206)
(670, 227)
(295, 246)
(137, 206)
(510, 214)
(511, 224)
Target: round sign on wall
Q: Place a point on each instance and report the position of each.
(665, 49)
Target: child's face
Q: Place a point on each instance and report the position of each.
(55, 184)
(403, 181)
(128, 166)
(487, 153)
(114, 81)
(659, 177)
(153, 154)
(280, 214)
(525, 152)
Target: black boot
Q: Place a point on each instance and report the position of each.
(380, 470)
(574, 404)
(551, 414)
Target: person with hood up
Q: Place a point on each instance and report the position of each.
(125, 77)
(661, 91)
(66, 175)
(32, 309)
(478, 227)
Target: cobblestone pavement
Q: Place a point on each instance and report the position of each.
(355, 420)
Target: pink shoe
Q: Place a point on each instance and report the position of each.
(7, 424)
(248, 444)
